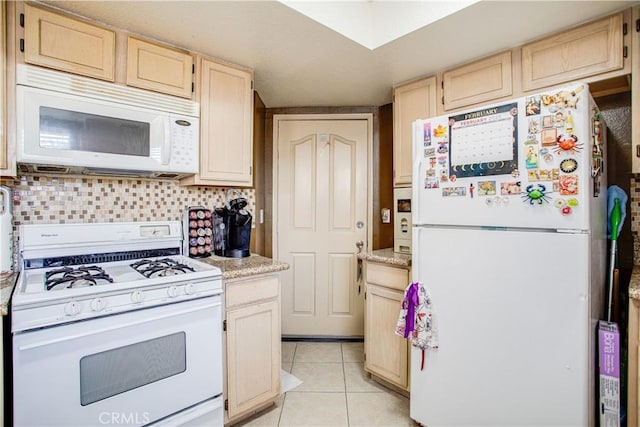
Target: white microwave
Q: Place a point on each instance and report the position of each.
(71, 124)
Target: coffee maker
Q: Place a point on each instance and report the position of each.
(232, 228)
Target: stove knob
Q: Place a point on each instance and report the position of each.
(172, 291)
(98, 304)
(72, 308)
(137, 296)
(189, 288)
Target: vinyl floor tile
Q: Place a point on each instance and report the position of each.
(314, 409)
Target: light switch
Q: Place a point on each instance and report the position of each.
(385, 214)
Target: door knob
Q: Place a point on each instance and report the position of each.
(359, 245)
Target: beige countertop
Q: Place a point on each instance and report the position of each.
(387, 256)
(634, 283)
(6, 288)
(233, 268)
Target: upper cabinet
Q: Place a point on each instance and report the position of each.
(635, 91)
(4, 163)
(411, 101)
(584, 51)
(67, 44)
(226, 126)
(159, 68)
(480, 81)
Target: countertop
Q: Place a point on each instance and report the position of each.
(387, 256)
(233, 268)
(6, 288)
(634, 283)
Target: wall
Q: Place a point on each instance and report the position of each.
(53, 200)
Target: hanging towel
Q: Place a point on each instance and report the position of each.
(416, 321)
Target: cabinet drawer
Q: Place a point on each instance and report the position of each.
(390, 277)
(248, 291)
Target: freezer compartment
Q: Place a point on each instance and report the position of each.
(516, 315)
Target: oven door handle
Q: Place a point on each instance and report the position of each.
(147, 319)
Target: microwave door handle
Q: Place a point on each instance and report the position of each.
(166, 141)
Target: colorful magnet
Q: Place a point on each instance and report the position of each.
(432, 162)
(443, 176)
(452, 178)
(558, 119)
(568, 185)
(515, 173)
(431, 182)
(486, 188)
(568, 123)
(534, 126)
(427, 134)
(548, 158)
(549, 137)
(535, 193)
(573, 202)
(568, 144)
(566, 210)
(440, 131)
(428, 152)
(442, 148)
(471, 190)
(547, 121)
(568, 165)
(510, 188)
(454, 191)
(531, 157)
(532, 105)
(543, 174)
(559, 203)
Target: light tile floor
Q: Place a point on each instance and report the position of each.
(335, 390)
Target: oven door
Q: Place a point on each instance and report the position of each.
(127, 369)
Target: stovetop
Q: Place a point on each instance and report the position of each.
(80, 271)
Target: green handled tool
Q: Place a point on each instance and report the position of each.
(614, 219)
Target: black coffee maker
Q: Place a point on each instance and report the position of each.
(232, 228)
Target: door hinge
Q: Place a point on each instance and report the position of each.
(250, 170)
(22, 20)
(224, 325)
(624, 52)
(226, 404)
(193, 68)
(21, 45)
(624, 29)
(638, 150)
(442, 84)
(637, 25)
(443, 100)
(193, 87)
(251, 84)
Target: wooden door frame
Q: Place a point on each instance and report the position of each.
(277, 118)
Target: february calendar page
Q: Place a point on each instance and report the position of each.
(484, 142)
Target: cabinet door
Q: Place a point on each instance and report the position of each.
(159, 68)
(635, 91)
(584, 51)
(253, 356)
(480, 81)
(386, 353)
(226, 121)
(411, 101)
(4, 164)
(60, 42)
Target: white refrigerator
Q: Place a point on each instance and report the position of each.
(509, 240)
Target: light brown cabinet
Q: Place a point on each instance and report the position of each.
(633, 333)
(4, 163)
(159, 68)
(635, 91)
(226, 126)
(584, 51)
(68, 44)
(253, 344)
(411, 101)
(386, 354)
(479, 81)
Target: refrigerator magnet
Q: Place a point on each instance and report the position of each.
(454, 191)
(427, 134)
(568, 165)
(568, 185)
(534, 126)
(431, 182)
(429, 152)
(535, 194)
(568, 144)
(547, 122)
(486, 188)
(510, 188)
(535, 175)
(532, 105)
(440, 131)
(549, 137)
(531, 157)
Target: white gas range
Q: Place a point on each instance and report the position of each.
(118, 318)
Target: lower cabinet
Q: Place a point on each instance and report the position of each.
(633, 333)
(253, 345)
(386, 354)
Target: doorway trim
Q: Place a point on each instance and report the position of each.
(277, 118)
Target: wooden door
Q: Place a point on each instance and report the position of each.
(411, 101)
(387, 353)
(253, 356)
(322, 212)
(159, 68)
(60, 42)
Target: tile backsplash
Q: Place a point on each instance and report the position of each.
(55, 200)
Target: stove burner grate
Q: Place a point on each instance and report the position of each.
(68, 277)
(160, 268)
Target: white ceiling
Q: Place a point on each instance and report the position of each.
(298, 61)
